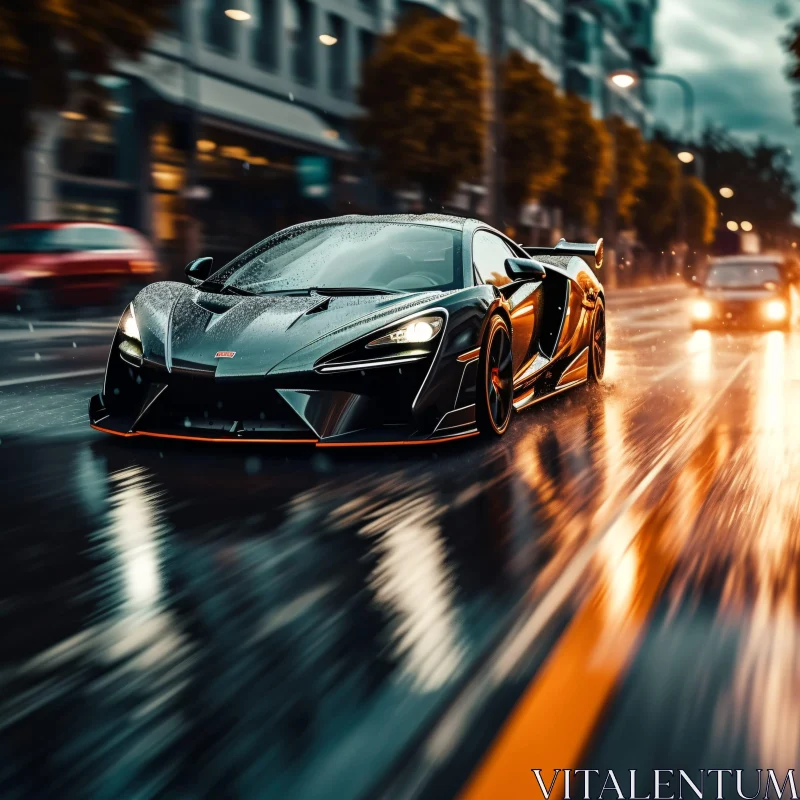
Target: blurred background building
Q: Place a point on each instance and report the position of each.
(270, 99)
(601, 37)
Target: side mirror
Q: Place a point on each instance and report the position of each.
(524, 269)
(199, 269)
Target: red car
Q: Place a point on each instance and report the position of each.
(49, 264)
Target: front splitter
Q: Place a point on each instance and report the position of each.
(253, 440)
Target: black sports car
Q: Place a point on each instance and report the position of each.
(357, 330)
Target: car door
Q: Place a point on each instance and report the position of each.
(489, 254)
(97, 263)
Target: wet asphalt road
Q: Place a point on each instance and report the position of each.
(614, 584)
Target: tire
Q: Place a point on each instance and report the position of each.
(495, 390)
(597, 351)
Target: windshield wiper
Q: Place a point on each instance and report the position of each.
(228, 289)
(332, 291)
(349, 290)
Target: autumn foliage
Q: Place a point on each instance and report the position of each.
(587, 164)
(533, 132)
(630, 153)
(657, 207)
(423, 93)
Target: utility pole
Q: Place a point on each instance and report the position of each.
(494, 107)
(610, 203)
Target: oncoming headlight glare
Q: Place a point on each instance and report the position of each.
(702, 310)
(415, 331)
(775, 311)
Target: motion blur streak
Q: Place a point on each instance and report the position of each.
(632, 564)
(190, 620)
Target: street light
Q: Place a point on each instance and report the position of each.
(328, 40)
(237, 14)
(726, 192)
(628, 78)
(733, 226)
(624, 78)
(686, 157)
(747, 227)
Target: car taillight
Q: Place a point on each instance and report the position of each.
(143, 267)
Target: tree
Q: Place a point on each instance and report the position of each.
(534, 134)
(700, 207)
(656, 210)
(762, 179)
(44, 43)
(631, 153)
(792, 45)
(423, 92)
(587, 164)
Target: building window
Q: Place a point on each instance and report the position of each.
(578, 83)
(369, 6)
(219, 29)
(298, 39)
(544, 35)
(265, 45)
(366, 46)
(470, 25)
(337, 56)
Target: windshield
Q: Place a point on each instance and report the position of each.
(744, 275)
(29, 240)
(368, 255)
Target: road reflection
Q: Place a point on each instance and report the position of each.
(286, 623)
(719, 669)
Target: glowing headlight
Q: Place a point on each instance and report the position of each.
(775, 310)
(130, 345)
(127, 325)
(415, 331)
(702, 310)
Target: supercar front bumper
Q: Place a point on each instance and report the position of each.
(336, 410)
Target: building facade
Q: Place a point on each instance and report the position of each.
(244, 126)
(602, 36)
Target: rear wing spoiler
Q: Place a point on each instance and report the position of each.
(564, 248)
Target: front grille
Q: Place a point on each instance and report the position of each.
(202, 404)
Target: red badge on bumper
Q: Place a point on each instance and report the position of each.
(225, 354)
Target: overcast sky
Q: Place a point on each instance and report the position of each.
(730, 51)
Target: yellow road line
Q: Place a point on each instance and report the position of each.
(552, 725)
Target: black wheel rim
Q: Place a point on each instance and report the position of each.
(499, 379)
(599, 342)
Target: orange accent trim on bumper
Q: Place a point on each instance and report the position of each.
(203, 438)
(315, 442)
(470, 356)
(398, 444)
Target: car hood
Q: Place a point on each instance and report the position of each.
(184, 328)
(741, 295)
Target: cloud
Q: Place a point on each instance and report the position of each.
(730, 51)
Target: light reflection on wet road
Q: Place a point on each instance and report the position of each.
(187, 621)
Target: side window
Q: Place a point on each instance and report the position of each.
(82, 237)
(107, 239)
(489, 254)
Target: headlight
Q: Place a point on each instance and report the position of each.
(775, 310)
(415, 331)
(130, 345)
(128, 326)
(702, 310)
